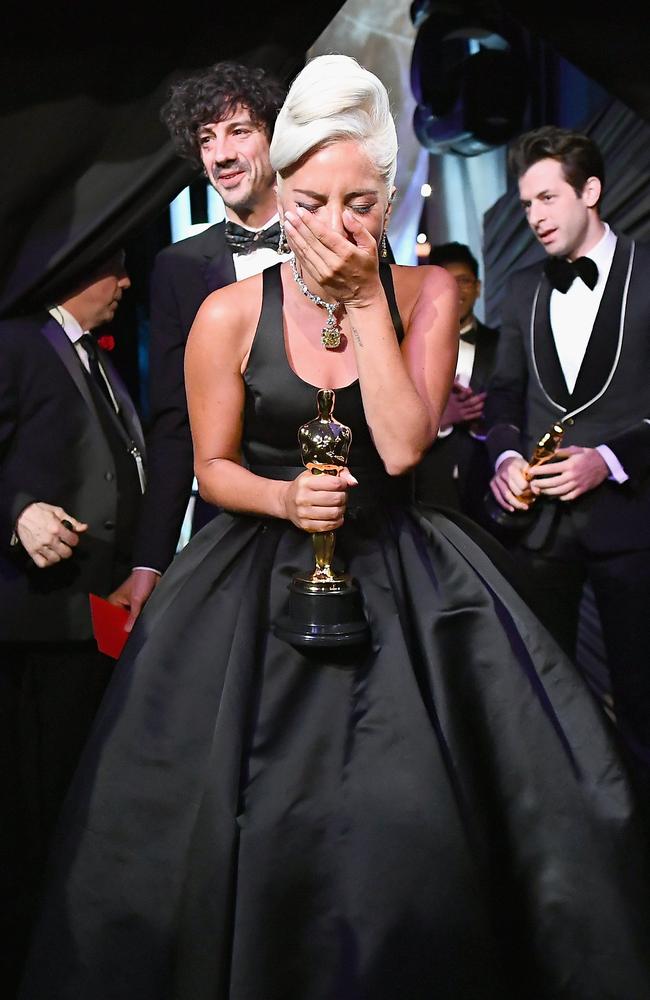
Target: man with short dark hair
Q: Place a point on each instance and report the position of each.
(71, 480)
(455, 472)
(222, 119)
(575, 348)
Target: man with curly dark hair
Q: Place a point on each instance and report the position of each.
(222, 119)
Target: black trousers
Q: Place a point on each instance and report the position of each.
(621, 586)
(49, 694)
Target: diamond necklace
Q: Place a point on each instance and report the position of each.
(331, 333)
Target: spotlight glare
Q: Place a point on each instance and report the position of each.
(421, 238)
(425, 190)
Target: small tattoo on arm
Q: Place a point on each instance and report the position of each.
(355, 334)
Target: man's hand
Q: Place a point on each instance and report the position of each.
(463, 406)
(509, 481)
(134, 593)
(574, 471)
(47, 533)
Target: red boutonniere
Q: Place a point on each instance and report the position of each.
(106, 341)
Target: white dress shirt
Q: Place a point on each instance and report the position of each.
(466, 352)
(572, 315)
(573, 312)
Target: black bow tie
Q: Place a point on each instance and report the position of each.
(242, 240)
(561, 272)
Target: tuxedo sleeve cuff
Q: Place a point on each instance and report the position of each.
(501, 438)
(149, 569)
(445, 432)
(502, 457)
(616, 471)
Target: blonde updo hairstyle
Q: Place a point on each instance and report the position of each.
(335, 98)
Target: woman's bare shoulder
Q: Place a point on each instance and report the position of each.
(240, 299)
(419, 289)
(229, 314)
(413, 279)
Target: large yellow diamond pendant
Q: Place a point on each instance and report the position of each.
(330, 336)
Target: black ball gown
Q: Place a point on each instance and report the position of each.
(442, 815)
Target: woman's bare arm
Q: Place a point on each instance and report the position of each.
(405, 388)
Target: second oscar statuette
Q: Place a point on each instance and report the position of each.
(544, 451)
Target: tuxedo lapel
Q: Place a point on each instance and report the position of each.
(59, 340)
(219, 271)
(125, 403)
(484, 356)
(218, 266)
(545, 356)
(602, 346)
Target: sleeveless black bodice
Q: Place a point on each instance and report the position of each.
(278, 401)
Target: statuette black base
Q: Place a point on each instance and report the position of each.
(326, 614)
(511, 520)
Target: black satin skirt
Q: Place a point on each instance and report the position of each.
(443, 816)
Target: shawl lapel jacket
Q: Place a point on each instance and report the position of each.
(610, 403)
(53, 448)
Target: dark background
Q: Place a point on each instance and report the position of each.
(86, 164)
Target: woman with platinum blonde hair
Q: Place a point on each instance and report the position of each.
(335, 98)
(436, 810)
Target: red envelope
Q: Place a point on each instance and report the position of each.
(108, 625)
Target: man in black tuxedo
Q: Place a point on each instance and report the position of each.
(222, 119)
(575, 347)
(71, 479)
(455, 472)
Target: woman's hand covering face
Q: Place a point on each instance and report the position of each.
(345, 269)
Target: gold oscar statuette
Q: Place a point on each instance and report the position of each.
(324, 606)
(544, 451)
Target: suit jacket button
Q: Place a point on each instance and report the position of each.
(109, 477)
(109, 524)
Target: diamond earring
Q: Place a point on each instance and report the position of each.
(283, 246)
(383, 246)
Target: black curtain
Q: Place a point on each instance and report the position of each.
(86, 162)
(607, 41)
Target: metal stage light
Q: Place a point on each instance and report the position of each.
(468, 76)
